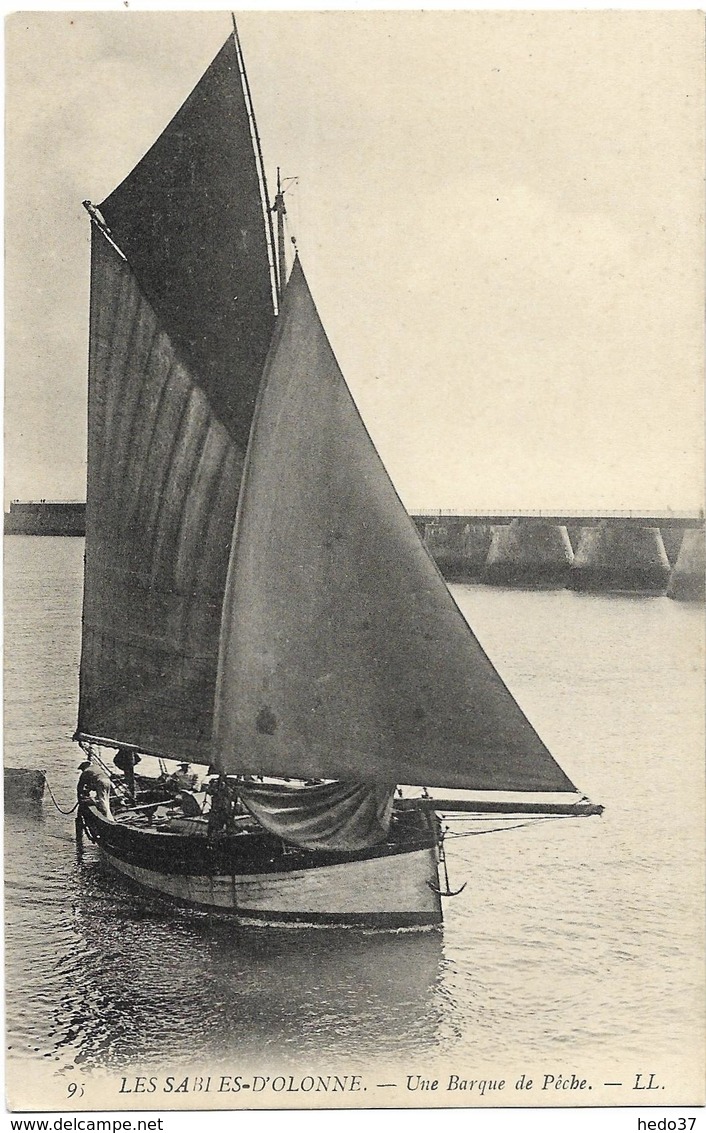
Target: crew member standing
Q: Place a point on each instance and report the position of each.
(222, 812)
(94, 786)
(125, 761)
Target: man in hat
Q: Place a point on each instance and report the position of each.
(94, 786)
(125, 761)
(184, 779)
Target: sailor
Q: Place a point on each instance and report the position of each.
(221, 814)
(94, 786)
(189, 803)
(125, 761)
(184, 779)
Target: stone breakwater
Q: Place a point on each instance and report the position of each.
(652, 557)
(601, 556)
(45, 517)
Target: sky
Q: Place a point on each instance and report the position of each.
(499, 216)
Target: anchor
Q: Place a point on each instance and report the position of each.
(447, 891)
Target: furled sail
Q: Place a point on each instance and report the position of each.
(324, 816)
(178, 336)
(343, 654)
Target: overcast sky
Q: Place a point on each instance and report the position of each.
(498, 214)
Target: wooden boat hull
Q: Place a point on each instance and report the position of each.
(392, 886)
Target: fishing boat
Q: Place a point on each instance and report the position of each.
(256, 597)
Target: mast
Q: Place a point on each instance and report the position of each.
(100, 224)
(259, 162)
(279, 207)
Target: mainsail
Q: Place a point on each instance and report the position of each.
(343, 654)
(180, 327)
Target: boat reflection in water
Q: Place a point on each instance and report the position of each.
(139, 971)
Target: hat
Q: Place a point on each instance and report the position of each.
(184, 765)
(84, 765)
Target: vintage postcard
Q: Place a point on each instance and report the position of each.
(354, 560)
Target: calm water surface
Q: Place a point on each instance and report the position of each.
(573, 938)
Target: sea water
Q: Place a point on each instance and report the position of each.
(573, 939)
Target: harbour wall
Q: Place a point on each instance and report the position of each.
(630, 555)
(637, 554)
(459, 551)
(45, 517)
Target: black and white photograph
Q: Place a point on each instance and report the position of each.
(353, 560)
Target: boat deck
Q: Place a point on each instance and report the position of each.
(175, 843)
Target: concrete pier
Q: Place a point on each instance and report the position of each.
(626, 558)
(476, 544)
(672, 539)
(574, 532)
(688, 580)
(459, 550)
(445, 541)
(529, 554)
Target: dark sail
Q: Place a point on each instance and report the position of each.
(343, 654)
(189, 218)
(163, 481)
(179, 333)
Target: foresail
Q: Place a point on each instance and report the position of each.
(190, 220)
(163, 481)
(343, 655)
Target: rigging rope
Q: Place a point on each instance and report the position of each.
(120, 788)
(489, 817)
(51, 793)
(502, 829)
